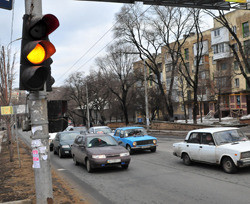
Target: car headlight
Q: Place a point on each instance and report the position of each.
(65, 146)
(134, 144)
(155, 141)
(124, 154)
(101, 156)
(245, 155)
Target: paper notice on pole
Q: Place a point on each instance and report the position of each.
(35, 128)
(36, 143)
(45, 157)
(36, 160)
(42, 150)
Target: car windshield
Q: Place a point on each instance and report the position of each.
(135, 132)
(103, 130)
(229, 136)
(101, 141)
(69, 136)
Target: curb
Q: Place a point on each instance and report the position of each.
(27, 201)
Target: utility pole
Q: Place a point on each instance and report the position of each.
(87, 96)
(39, 128)
(146, 93)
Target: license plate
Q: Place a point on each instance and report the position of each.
(114, 161)
(144, 147)
(66, 152)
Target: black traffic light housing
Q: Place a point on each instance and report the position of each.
(36, 50)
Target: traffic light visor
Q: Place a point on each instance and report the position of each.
(51, 21)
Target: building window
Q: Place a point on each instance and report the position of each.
(238, 101)
(223, 66)
(247, 47)
(235, 47)
(237, 82)
(234, 28)
(236, 65)
(186, 52)
(245, 29)
(216, 32)
(218, 48)
(168, 67)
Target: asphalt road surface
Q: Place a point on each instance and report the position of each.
(158, 178)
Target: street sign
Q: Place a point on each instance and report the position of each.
(6, 110)
(6, 4)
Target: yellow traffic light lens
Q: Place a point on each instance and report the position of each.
(37, 55)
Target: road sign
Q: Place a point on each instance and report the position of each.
(6, 4)
(6, 110)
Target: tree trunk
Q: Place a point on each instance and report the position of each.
(9, 139)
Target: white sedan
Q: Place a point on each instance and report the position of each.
(225, 146)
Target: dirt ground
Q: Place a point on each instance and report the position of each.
(19, 183)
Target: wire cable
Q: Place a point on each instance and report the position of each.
(60, 77)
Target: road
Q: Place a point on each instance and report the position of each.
(158, 178)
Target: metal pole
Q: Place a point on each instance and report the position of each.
(17, 141)
(87, 96)
(146, 94)
(39, 129)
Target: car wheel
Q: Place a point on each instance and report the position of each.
(75, 161)
(59, 153)
(186, 159)
(228, 165)
(153, 149)
(125, 166)
(129, 149)
(88, 166)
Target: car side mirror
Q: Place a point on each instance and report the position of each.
(121, 136)
(120, 142)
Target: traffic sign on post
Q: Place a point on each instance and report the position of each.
(6, 4)
(36, 50)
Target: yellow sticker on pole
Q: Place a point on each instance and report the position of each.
(6, 110)
(237, 1)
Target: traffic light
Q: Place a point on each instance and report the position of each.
(36, 50)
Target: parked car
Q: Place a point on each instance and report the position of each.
(135, 138)
(101, 129)
(225, 146)
(63, 141)
(99, 150)
(81, 129)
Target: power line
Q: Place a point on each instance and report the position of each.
(92, 48)
(96, 43)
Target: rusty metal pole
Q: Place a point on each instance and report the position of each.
(39, 129)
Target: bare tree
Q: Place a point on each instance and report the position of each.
(193, 79)
(6, 81)
(75, 88)
(98, 94)
(117, 68)
(148, 34)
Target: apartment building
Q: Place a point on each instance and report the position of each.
(234, 92)
(219, 72)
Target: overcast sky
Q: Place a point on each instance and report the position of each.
(83, 34)
(82, 24)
